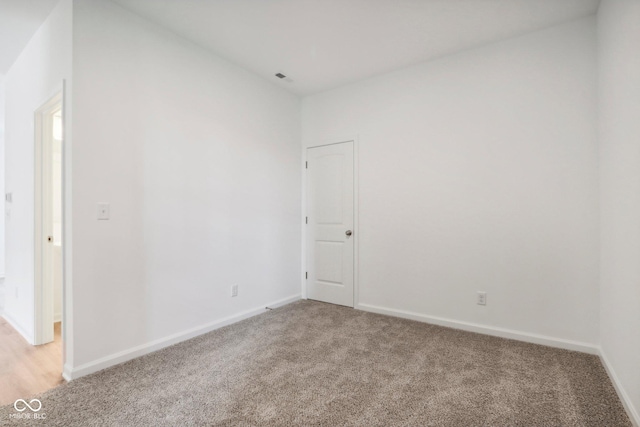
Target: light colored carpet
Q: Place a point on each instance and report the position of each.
(311, 363)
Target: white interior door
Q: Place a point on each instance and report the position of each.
(48, 215)
(330, 240)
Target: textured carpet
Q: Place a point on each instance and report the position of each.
(311, 363)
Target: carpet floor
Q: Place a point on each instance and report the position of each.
(316, 364)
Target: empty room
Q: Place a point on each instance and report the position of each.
(320, 212)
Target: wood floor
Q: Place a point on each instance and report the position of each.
(27, 370)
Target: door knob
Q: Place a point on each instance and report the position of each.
(348, 233)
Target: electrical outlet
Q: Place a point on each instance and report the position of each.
(234, 290)
(482, 298)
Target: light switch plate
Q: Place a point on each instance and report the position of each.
(103, 211)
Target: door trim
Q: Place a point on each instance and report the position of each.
(356, 211)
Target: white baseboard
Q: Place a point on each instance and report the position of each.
(15, 325)
(483, 329)
(283, 302)
(622, 394)
(72, 373)
(57, 317)
(66, 372)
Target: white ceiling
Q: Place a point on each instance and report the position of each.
(321, 44)
(19, 20)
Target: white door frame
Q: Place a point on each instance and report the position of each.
(43, 215)
(356, 215)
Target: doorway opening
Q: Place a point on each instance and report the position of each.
(38, 367)
(49, 223)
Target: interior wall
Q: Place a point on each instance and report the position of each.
(57, 226)
(478, 172)
(33, 79)
(619, 100)
(200, 162)
(2, 169)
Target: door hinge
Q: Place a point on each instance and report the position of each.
(306, 275)
(306, 220)
(306, 165)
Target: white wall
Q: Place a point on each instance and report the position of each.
(2, 168)
(36, 75)
(478, 172)
(200, 161)
(619, 138)
(57, 283)
(57, 227)
(2, 165)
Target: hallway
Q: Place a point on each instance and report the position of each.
(27, 370)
